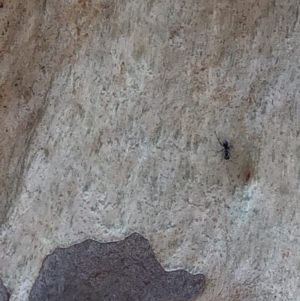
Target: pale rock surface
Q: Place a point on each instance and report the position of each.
(108, 111)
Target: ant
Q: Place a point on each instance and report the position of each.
(226, 149)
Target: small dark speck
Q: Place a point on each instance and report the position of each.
(247, 176)
(1, 5)
(86, 187)
(4, 107)
(43, 67)
(6, 130)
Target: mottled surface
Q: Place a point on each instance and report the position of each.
(108, 111)
(124, 270)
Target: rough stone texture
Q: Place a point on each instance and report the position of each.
(125, 270)
(108, 111)
(3, 292)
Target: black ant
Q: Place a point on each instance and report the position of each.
(226, 149)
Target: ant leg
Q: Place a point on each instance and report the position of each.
(219, 140)
(218, 151)
(231, 161)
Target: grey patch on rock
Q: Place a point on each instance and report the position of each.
(124, 270)
(4, 296)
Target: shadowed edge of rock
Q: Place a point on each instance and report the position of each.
(122, 270)
(4, 296)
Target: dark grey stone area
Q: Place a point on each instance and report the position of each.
(124, 270)
(4, 296)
